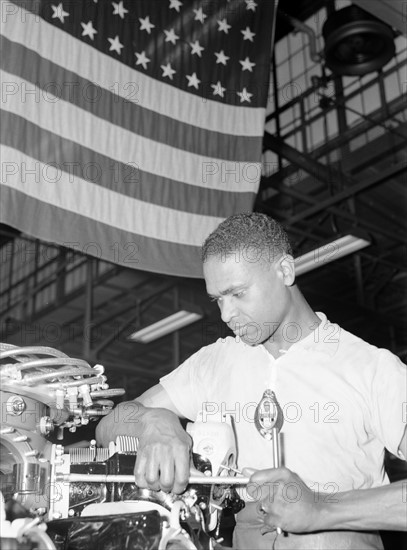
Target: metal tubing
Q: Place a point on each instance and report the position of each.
(110, 478)
(31, 350)
(58, 373)
(52, 362)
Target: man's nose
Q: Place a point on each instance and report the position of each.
(227, 310)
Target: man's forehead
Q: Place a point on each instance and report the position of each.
(228, 271)
(235, 263)
(218, 263)
(251, 252)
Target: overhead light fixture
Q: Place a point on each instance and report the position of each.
(356, 42)
(342, 246)
(165, 326)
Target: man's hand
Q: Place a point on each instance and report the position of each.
(285, 501)
(163, 455)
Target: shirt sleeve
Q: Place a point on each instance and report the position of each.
(185, 385)
(389, 401)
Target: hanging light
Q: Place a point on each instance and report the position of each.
(356, 42)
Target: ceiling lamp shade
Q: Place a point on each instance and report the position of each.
(356, 42)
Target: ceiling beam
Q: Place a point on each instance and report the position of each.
(333, 210)
(319, 171)
(379, 117)
(367, 183)
(324, 174)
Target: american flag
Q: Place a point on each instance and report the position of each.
(130, 129)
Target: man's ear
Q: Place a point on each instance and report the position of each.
(287, 268)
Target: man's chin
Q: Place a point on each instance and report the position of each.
(249, 339)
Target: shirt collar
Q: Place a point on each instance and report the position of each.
(324, 338)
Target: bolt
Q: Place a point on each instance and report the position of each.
(34, 452)
(20, 438)
(19, 406)
(46, 425)
(16, 405)
(5, 431)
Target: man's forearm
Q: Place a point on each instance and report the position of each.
(132, 418)
(366, 509)
(123, 420)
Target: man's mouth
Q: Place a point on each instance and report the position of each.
(238, 329)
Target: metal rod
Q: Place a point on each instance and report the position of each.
(276, 448)
(276, 459)
(111, 478)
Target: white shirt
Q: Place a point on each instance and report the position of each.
(342, 401)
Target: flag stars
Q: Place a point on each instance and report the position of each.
(88, 30)
(170, 36)
(59, 12)
(119, 9)
(223, 26)
(142, 59)
(196, 48)
(199, 15)
(221, 57)
(168, 71)
(193, 80)
(246, 64)
(244, 96)
(218, 89)
(146, 24)
(115, 45)
(248, 34)
(251, 5)
(175, 5)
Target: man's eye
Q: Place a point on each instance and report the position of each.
(238, 294)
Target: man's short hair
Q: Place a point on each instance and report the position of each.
(253, 236)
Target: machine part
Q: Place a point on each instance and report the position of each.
(35, 397)
(62, 384)
(214, 441)
(95, 482)
(138, 531)
(356, 42)
(87, 497)
(269, 419)
(23, 533)
(27, 478)
(193, 480)
(46, 425)
(15, 405)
